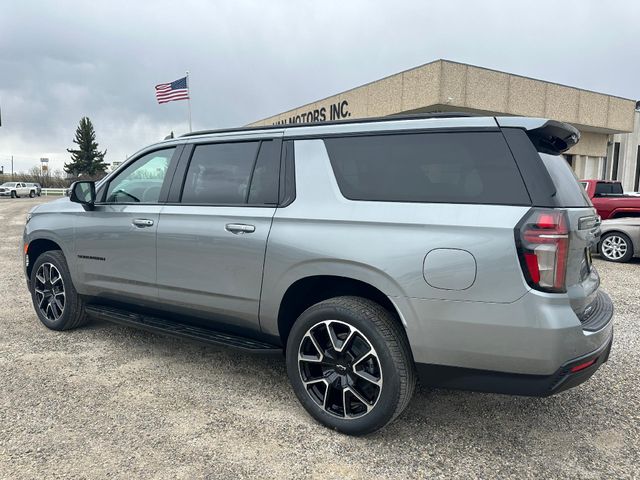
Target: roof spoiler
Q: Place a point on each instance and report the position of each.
(548, 136)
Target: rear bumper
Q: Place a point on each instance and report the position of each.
(534, 335)
(569, 375)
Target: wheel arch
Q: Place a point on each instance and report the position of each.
(624, 213)
(37, 247)
(309, 290)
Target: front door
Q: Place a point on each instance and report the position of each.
(116, 242)
(212, 239)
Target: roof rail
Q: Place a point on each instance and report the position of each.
(390, 118)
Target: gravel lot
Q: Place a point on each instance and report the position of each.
(111, 402)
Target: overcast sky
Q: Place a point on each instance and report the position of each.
(63, 59)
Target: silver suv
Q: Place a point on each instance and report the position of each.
(454, 248)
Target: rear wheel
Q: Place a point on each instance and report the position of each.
(31, 194)
(616, 247)
(350, 364)
(55, 299)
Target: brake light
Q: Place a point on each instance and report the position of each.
(542, 238)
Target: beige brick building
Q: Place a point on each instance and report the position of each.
(443, 85)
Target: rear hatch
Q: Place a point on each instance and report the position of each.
(555, 238)
(582, 280)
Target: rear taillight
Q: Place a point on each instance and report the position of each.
(542, 238)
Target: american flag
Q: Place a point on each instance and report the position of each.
(168, 92)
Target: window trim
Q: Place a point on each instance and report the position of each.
(166, 182)
(287, 188)
(180, 178)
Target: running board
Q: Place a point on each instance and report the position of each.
(181, 330)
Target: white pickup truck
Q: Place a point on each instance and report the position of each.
(16, 189)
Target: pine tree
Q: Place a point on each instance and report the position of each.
(87, 160)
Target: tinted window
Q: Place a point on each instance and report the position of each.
(220, 173)
(607, 188)
(461, 167)
(265, 179)
(569, 192)
(141, 181)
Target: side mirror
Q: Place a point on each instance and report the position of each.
(83, 193)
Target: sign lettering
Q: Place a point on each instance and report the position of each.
(335, 111)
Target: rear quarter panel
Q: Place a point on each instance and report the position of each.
(382, 243)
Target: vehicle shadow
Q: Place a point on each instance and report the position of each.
(437, 416)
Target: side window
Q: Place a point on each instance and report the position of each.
(461, 167)
(265, 179)
(141, 181)
(220, 173)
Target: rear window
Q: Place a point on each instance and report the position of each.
(608, 188)
(451, 167)
(569, 192)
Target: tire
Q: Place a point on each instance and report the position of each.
(14, 195)
(385, 376)
(31, 194)
(69, 310)
(616, 247)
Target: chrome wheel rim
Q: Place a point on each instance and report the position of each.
(340, 369)
(614, 247)
(49, 290)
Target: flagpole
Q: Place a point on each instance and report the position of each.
(189, 101)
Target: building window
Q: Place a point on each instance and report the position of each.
(616, 160)
(569, 159)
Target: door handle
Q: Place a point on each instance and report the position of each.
(142, 222)
(239, 228)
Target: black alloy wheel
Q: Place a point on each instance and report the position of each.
(340, 369)
(49, 291)
(350, 364)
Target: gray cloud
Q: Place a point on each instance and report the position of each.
(250, 59)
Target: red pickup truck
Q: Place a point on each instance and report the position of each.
(610, 200)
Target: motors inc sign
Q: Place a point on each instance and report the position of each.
(334, 111)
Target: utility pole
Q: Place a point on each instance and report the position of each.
(11, 167)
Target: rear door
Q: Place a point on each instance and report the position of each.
(213, 233)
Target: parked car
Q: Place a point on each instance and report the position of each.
(620, 240)
(37, 186)
(16, 189)
(610, 200)
(451, 247)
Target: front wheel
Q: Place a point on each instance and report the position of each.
(13, 195)
(55, 299)
(350, 364)
(616, 247)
